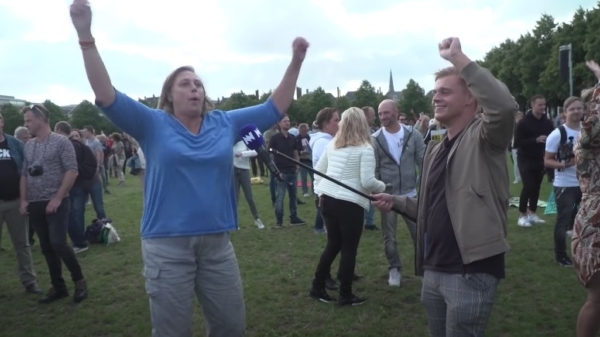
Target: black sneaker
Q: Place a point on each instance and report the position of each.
(564, 262)
(297, 222)
(330, 284)
(80, 291)
(371, 227)
(321, 295)
(278, 225)
(54, 295)
(351, 301)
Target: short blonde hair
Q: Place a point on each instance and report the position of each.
(354, 129)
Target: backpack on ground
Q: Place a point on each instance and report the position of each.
(87, 164)
(101, 231)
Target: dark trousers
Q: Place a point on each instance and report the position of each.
(344, 221)
(257, 166)
(567, 199)
(52, 233)
(532, 175)
(318, 218)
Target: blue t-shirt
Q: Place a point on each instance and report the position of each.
(189, 178)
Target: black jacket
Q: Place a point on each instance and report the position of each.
(528, 129)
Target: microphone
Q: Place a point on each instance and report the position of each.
(254, 140)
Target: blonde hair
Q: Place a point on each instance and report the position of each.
(354, 129)
(165, 104)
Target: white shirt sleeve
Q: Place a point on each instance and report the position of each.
(553, 141)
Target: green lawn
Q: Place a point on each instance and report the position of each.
(538, 298)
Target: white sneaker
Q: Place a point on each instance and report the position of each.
(306, 195)
(77, 250)
(570, 234)
(524, 221)
(259, 224)
(534, 219)
(395, 278)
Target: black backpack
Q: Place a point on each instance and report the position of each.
(87, 164)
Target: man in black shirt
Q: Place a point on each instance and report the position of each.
(286, 143)
(11, 164)
(463, 199)
(530, 140)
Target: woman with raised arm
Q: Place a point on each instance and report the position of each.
(189, 200)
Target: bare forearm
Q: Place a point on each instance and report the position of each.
(96, 73)
(284, 93)
(66, 184)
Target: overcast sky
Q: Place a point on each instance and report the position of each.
(246, 45)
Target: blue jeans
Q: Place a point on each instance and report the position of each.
(370, 216)
(78, 197)
(273, 189)
(289, 183)
(304, 173)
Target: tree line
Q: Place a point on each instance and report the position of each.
(82, 115)
(528, 66)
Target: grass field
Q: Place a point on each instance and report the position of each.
(537, 298)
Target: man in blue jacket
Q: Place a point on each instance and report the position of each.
(11, 165)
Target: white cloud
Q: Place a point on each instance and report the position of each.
(245, 45)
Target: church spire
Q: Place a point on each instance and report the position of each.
(391, 88)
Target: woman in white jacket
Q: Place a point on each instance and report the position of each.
(350, 159)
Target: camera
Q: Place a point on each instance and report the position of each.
(36, 170)
(565, 151)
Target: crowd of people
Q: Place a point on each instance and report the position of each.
(446, 177)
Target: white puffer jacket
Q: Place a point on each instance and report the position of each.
(353, 166)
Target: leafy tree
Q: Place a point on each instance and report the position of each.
(87, 113)
(529, 65)
(413, 100)
(342, 103)
(238, 100)
(12, 118)
(55, 112)
(366, 96)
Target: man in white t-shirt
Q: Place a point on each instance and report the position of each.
(559, 156)
(399, 152)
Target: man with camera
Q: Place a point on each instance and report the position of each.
(49, 171)
(567, 194)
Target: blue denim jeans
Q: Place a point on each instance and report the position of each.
(273, 189)
(289, 183)
(78, 197)
(304, 174)
(370, 216)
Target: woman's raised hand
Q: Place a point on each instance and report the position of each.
(81, 16)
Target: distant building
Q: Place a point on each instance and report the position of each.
(391, 93)
(12, 100)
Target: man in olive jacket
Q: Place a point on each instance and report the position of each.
(463, 198)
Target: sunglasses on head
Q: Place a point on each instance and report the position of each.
(34, 107)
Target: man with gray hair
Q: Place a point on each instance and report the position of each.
(22, 134)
